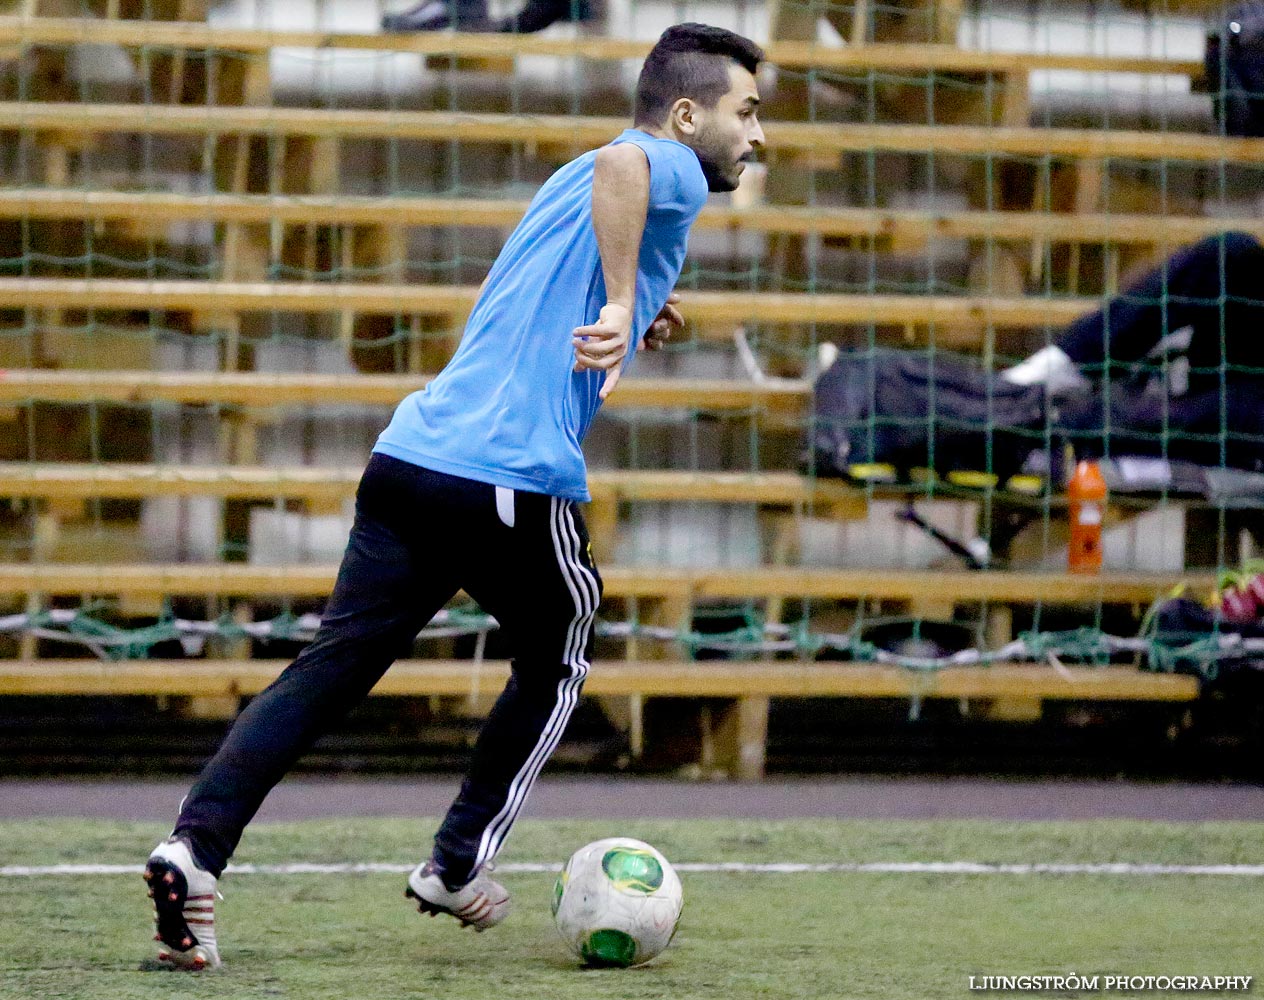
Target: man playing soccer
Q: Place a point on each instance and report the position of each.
(474, 486)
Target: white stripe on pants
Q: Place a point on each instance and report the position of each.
(584, 591)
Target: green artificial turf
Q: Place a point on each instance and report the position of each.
(820, 935)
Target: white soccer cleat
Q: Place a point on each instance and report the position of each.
(480, 903)
(184, 907)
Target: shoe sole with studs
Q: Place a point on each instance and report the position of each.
(169, 890)
(433, 910)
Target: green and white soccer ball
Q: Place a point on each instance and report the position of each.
(617, 902)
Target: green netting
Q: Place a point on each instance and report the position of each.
(1080, 648)
(962, 219)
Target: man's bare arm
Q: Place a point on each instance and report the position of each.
(620, 201)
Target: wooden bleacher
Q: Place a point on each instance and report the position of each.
(576, 133)
(64, 488)
(62, 492)
(966, 321)
(667, 596)
(250, 113)
(737, 739)
(739, 736)
(999, 80)
(761, 583)
(651, 678)
(1000, 77)
(940, 58)
(402, 211)
(245, 401)
(1011, 68)
(263, 390)
(71, 481)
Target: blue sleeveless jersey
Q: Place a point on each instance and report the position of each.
(508, 409)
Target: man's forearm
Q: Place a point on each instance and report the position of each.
(621, 196)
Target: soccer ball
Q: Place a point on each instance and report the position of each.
(617, 902)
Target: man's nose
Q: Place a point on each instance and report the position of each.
(757, 136)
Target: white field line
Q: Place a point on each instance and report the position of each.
(737, 867)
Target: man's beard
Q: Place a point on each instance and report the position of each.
(717, 179)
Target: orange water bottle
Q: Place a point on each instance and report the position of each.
(1086, 496)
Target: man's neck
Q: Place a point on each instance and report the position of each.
(657, 131)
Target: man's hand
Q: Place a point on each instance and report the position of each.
(660, 330)
(603, 345)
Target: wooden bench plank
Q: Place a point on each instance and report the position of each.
(932, 585)
(57, 481)
(239, 579)
(745, 689)
(82, 481)
(586, 132)
(963, 318)
(199, 35)
(713, 679)
(1089, 228)
(109, 481)
(265, 390)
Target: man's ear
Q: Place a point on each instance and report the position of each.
(683, 116)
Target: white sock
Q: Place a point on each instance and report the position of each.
(1051, 367)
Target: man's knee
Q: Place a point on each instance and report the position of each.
(544, 672)
(1225, 257)
(1238, 244)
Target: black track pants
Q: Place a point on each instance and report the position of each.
(1214, 286)
(418, 538)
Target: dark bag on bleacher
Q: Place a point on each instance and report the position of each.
(880, 407)
(911, 410)
(1235, 70)
(1181, 622)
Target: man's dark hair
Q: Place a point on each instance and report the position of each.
(690, 60)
